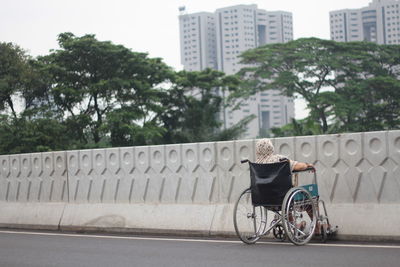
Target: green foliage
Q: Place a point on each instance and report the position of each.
(347, 86)
(125, 132)
(20, 135)
(93, 82)
(91, 78)
(301, 67)
(193, 107)
(370, 104)
(302, 127)
(13, 72)
(91, 94)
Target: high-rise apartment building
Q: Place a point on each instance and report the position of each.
(215, 40)
(198, 41)
(379, 23)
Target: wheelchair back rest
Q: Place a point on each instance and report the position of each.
(270, 183)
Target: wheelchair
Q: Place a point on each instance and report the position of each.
(273, 204)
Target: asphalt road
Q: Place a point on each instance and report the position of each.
(42, 249)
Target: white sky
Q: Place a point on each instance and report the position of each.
(142, 25)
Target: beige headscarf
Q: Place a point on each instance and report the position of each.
(265, 153)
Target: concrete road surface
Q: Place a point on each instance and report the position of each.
(42, 249)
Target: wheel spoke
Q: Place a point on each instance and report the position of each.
(249, 221)
(299, 215)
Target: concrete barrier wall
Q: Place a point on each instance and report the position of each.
(33, 189)
(192, 187)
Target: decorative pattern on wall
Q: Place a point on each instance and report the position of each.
(351, 168)
(39, 177)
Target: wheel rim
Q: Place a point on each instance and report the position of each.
(249, 221)
(299, 216)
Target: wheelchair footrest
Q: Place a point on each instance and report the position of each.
(333, 230)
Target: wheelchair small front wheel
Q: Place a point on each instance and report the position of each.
(299, 215)
(249, 221)
(279, 232)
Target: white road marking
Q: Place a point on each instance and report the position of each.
(193, 240)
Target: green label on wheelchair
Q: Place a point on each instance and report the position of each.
(312, 188)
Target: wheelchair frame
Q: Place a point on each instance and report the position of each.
(297, 218)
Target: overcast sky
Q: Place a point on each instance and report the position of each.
(142, 25)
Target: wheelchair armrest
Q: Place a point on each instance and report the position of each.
(308, 169)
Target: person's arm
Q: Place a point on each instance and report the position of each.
(302, 166)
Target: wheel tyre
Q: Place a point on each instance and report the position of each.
(288, 202)
(247, 240)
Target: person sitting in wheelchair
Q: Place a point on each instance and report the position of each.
(273, 189)
(265, 154)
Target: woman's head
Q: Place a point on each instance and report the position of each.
(264, 149)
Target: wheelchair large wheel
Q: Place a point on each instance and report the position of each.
(249, 221)
(299, 215)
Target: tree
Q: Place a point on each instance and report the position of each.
(37, 90)
(368, 92)
(13, 70)
(299, 68)
(126, 131)
(302, 127)
(92, 78)
(370, 104)
(24, 135)
(337, 80)
(193, 106)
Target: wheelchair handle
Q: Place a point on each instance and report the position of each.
(244, 161)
